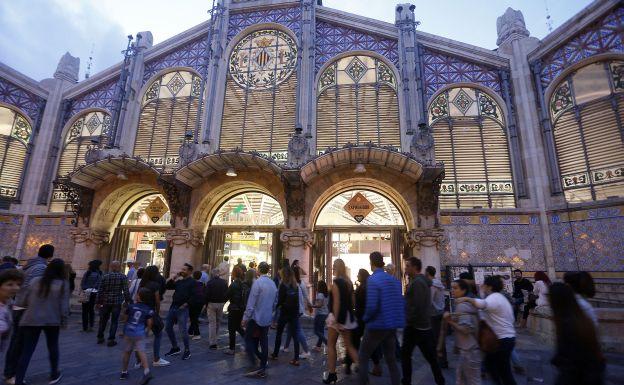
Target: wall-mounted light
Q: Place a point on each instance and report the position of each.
(231, 172)
(359, 169)
(122, 176)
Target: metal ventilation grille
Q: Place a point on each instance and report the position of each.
(162, 125)
(13, 157)
(357, 114)
(261, 120)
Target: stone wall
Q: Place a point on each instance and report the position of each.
(49, 229)
(9, 233)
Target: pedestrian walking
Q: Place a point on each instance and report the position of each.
(382, 317)
(196, 304)
(152, 282)
(498, 316)
(133, 285)
(418, 330)
(341, 321)
(216, 296)
(437, 311)
(10, 281)
(112, 293)
(304, 306)
(205, 273)
(131, 270)
(237, 295)
(89, 285)
(241, 265)
(521, 288)
(320, 314)
(139, 318)
(224, 269)
(583, 285)
(257, 320)
(8, 262)
(578, 356)
(288, 296)
(47, 307)
(465, 322)
(35, 267)
(182, 284)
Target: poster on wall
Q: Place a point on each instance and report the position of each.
(479, 272)
(359, 207)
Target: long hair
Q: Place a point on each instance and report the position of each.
(150, 274)
(321, 287)
(237, 273)
(571, 321)
(250, 275)
(541, 276)
(288, 276)
(54, 270)
(363, 275)
(297, 272)
(340, 270)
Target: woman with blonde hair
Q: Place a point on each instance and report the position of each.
(341, 320)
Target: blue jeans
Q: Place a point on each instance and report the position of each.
(106, 312)
(29, 339)
(300, 337)
(319, 329)
(156, 347)
(293, 323)
(257, 335)
(182, 317)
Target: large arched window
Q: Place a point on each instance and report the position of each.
(587, 110)
(15, 133)
(86, 130)
(169, 110)
(357, 103)
(469, 131)
(260, 96)
(249, 209)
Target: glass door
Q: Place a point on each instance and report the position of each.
(354, 249)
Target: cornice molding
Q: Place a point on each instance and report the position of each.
(22, 81)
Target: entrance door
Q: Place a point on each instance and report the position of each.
(354, 249)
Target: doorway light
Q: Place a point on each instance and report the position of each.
(359, 169)
(231, 172)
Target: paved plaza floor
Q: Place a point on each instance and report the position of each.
(85, 363)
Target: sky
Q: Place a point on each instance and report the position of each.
(34, 34)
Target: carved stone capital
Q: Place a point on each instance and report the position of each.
(297, 238)
(178, 197)
(425, 238)
(87, 235)
(184, 237)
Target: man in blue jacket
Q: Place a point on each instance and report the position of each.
(383, 316)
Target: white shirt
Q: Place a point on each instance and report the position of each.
(587, 309)
(541, 291)
(498, 314)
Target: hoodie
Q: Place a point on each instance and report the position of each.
(437, 297)
(34, 268)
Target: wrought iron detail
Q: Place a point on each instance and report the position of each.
(80, 199)
(178, 197)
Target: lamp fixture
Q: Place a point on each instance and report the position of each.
(231, 172)
(359, 169)
(122, 176)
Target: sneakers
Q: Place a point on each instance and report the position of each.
(186, 355)
(137, 365)
(256, 373)
(173, 352)
(213, 347)
(304, 355)
(230, 352)
(285, 349)
(111, 343)
(196, 338)
(124, 376)
(9, 381)
(146, 378)
(161, 362)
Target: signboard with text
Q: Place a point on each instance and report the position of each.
(156, 209)
(359, 207)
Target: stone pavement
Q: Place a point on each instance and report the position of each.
(85, 363)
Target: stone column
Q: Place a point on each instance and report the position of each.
(305, 83)
(186, 247)
(88, 244)
(298, 246)
(514, 40)
(425, 244)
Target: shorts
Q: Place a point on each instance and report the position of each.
(134, 343)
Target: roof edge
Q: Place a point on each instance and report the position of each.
(22, 80)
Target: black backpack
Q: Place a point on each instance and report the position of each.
(291, 302)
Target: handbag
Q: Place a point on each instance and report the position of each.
(488, 341)
(83, 297)
(157, 324)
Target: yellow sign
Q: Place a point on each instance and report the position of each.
(156, 209)
(359, 207)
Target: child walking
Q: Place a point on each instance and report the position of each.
(320, 314)
(139, 320)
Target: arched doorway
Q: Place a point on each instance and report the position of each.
(246, 226)
(353, 224)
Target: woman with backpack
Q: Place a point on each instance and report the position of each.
(288, 306)
(196, 304)
(89, 285)
(237, 294)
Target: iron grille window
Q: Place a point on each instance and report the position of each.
(15, 134)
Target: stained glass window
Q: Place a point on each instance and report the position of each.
(169, 110)
(83, 132)
(260, 96)
(468, 128)
(586, 110)
(357, 103)
(15, 134)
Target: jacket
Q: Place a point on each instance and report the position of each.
(34, 268)
(418, 303)
(183, 291)
(52, 310)
(384, 302)
(216, 290)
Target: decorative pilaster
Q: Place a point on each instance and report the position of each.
(88, 244)
(295, 198)
(297, 238)
(186, 247)
(427, 195)
(184, 237)
(426, 244)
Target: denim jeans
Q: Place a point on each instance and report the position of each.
(156, 347)
(182, 317)
(300, 337)
(372, 340)
(29, 338)
(106, 312)
(319, 329)
(257, 335)
(413, 337)
(498, 363)
(293, 323)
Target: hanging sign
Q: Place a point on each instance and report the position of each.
(156, 209)
(359, 207)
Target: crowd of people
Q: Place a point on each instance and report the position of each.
(378, 318)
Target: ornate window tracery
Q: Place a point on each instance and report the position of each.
(586, 114)
(15, 134)
(357, 103)
(87, 130)
(169, 110)
(470, 138)
(259, 108)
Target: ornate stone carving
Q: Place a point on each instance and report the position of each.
(510, 25)
(418, 238)
(67, 68)
(295, 193)
(187, 152)
(186, 237)
(88, 235)
(178, 198)
(427, 192)
(297, 149)
(297, 238)
(79, 197)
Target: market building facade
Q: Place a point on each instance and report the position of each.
(286, 129)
